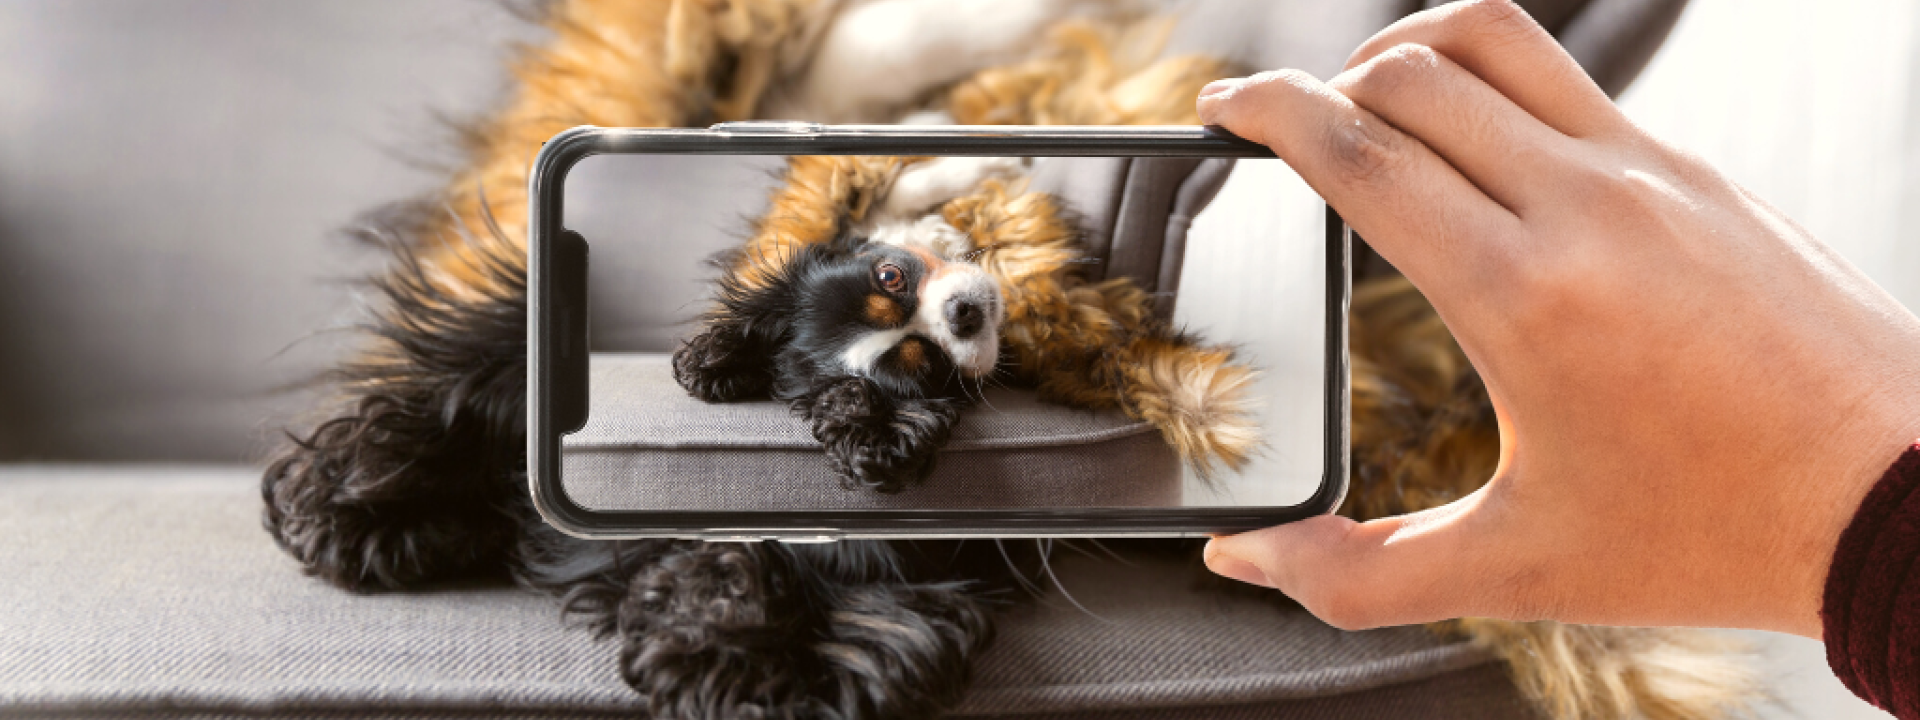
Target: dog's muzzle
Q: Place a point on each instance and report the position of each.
(961, 310)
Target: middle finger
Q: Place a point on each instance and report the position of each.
(1510, 155)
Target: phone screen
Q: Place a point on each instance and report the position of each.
(908, 336)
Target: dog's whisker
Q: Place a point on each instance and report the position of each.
(1014, 568)
(1046, 566)
(1117, 557)
(983, 395)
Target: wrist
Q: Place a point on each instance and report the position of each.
(1836, 504)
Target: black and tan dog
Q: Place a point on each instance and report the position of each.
(417, 471)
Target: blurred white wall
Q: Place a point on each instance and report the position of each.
(1813, 106)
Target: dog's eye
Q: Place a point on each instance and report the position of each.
(890, 277)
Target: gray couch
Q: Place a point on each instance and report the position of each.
(168, 176)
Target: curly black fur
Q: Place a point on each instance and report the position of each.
(722, 364)
(412, 478)
(874, 441)
(750, 631)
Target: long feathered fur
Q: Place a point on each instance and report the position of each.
(415, 472)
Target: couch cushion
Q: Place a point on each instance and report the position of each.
(154, 589)
(648, 445)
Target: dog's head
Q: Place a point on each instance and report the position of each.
(899, 312)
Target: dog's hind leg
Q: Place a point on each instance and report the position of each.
(411, 476)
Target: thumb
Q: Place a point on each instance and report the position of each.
(1399, 570)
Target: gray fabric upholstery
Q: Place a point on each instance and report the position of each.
(647, 445)
(152, 588)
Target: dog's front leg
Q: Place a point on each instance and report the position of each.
(723, 364)
(875, 441)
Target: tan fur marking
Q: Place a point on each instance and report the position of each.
(912, 356)
(885, 311)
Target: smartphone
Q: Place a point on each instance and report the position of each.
(1226, 243)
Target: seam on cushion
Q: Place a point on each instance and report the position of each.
(1266, 687)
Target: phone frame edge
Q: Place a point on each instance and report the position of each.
(546, 183)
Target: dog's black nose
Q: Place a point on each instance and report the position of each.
(964, 317)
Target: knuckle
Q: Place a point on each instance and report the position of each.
(1624, 189)
(1486, 24)
(1384, 75)
(1260, 100)
(1409, 59)
(1289, 80)
(1365, 151)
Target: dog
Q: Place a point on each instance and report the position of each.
(871, 334)
(414, 470)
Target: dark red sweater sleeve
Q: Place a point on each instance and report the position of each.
(1871, 609)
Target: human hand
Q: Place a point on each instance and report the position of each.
(1693, 394)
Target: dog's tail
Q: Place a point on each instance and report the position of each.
(1582, 671)
(1200, 399)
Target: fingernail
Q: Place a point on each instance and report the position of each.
(1219, 86)
(1232, 567)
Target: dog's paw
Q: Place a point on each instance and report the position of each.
(719, 366)
(707, 631)
(384, 496)
(738, 630)
(874, 442)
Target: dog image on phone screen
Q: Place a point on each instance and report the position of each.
(875, 297)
